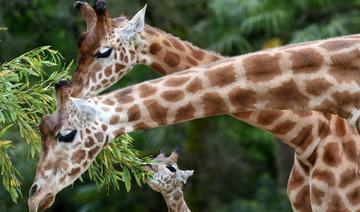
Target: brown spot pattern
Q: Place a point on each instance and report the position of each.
(146, 90)
(302, 202)
(124, 96)
(304, 138)
(350, 150)
(74, 171)
(155, 48)
(340, 127)
(337, 45)
(295, 179)
(214, 104)
(345, 66)
(347, 178)
(194, 85)
(325, 176)
(172, 59)
(185, 113)
(336, 205)
(157, 67)
(323, 130)
(242, 98)
(221, 76)
(173, 96)
(191, 61)
(93, 152)
(109, 102)
(317, 86)
(176, 81)
(287, 95)
(89, 142)
(317, 194)
(177, 44)
(331, 155)
(267, 117)
(242, 115)
(354, 196)
(157, 112)
(283, 128)
(99, 137)
(141, 126)
(119, 67)
(78, 156)
(306, 61)
(134, 113)
(108, 71)
(262, 67)
(114, 119)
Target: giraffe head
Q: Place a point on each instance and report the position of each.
(107, 50)
(72, 137)
(167, 177)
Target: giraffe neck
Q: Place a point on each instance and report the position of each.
(175, 201)
(163, 52)
(232, 86)
(168, 54)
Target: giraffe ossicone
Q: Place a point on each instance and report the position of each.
(169, 180)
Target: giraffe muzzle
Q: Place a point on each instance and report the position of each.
(39, 200)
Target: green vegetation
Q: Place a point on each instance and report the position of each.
(26, 94)
(235, 164)
(22, 104)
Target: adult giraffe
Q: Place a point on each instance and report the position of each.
(339, 43)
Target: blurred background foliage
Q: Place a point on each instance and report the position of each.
(237, 168)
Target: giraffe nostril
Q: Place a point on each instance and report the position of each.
(33, 190)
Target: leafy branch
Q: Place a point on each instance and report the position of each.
(26, 94)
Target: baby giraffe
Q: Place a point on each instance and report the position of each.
(168, 179)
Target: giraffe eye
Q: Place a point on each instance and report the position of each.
(103, 53)
(171, 168)
(68, 137)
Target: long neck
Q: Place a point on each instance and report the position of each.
(175, 201)
(155, 48)
(252, 82)
(168, 54)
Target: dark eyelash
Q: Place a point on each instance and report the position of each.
(67, 138)
(103, 55)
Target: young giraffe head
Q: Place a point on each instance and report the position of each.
(167, 177)
(168, 180)
(72, 137)
(107, 50)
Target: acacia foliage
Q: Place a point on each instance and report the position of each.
(26, 94)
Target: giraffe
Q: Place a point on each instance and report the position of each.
(111, 47)
(324, 177)
(168, 180)
(334, 42)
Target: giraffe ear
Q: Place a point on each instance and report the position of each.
(87, 111)
(135, 25)
(184, 175)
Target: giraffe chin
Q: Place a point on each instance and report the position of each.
(41, 202)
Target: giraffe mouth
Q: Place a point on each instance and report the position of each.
(46, 202)
(35, 205)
